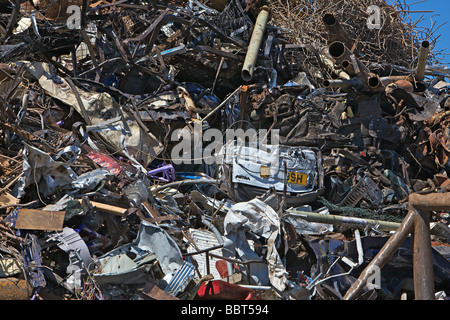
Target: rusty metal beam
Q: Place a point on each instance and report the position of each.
(417, 223)
(422, 257)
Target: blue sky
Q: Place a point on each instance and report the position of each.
(440, 14)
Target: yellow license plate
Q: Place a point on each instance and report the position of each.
(297, 178)
(293, 177)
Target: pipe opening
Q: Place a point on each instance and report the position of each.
(329, 19)
(326, 83)
(345, 64)
(420, 87)
(373, 82)
(336, 49)
(246, 75)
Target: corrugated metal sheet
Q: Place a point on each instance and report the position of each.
(205, 239)
(181, 279)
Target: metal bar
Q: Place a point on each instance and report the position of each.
(423, 258)
(91, 53)
(13, 20)
(352, 222)
(150, 29)
(338, 220)
(208, 268)
(430, 202)
(417, 222)
(423, 53)
(255, 44)
(383, 256)
(343, 83)
(185, 182)
(220, 33)
(221, 104)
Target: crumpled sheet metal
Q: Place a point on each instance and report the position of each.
(39, 168)
(124, 133)
(80, 260)
(132, 262)
(89, 180)
(152, 69)
(259, 218)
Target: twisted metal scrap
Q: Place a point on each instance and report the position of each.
(396, 43)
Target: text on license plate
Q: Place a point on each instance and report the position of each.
(292, 177)
(297, 178)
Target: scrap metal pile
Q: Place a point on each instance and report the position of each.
(113, 188)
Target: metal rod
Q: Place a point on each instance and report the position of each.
(423, 258)
(187, 254)
(416, 222)
(343, 83)
(383, 256)
(430, 202)
(185, 182)
(423, 53)
(221, 104)
(338, 220)
(255, 44)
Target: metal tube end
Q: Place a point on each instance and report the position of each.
(246, 75)
(336, 49)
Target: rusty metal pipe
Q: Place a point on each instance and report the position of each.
(423, 258)
(391, 79)
(339, 51)
(255, 43)
(346, 59)
(383, 256)
(430, 201)
(346, 64)
(423, 53)
(374, 83)
(338, 83)
(335, 29)
(330, 65)
(416, 222)
(422, 250)
(420, 86)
